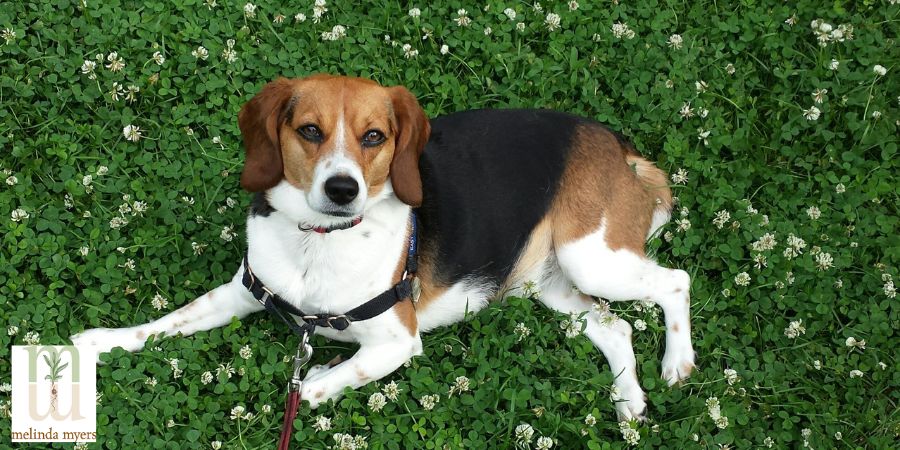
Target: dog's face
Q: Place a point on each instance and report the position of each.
(327, 147)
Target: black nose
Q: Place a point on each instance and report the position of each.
(341, 189)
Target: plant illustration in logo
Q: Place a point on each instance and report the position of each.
(55, 375)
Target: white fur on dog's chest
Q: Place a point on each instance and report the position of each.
(333, 272)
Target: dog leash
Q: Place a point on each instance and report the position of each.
(372, 308)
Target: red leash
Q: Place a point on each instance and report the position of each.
(292, 403)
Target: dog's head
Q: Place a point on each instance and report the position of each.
(326, 146)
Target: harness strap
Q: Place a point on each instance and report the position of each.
(282, 309)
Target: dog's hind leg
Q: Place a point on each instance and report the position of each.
(609, 333)
(623, 274)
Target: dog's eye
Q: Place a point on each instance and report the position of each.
(311, 133)
(372, 138)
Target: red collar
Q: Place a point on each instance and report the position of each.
(323, 230)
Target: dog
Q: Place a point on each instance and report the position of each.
(349, 175)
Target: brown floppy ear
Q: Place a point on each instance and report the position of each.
(259, 121)
(413, 130)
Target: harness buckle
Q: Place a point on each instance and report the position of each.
(339, 323)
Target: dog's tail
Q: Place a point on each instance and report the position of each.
(657, 184)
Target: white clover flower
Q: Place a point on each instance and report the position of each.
(680, 177)
(520, 27)
(879, 70)
(768, 442)
(245, 352)
(238, 411)
(572, 326)
(795, 329)
(524, 435)
(683, 224)
(391, 391)
(731, 376)
(227, 234)
(817, 364)
(686, 111)
(765, 243)
(159, 302)
(206, 377)
(216, 445)
(640, 325)
(460, 385)
(150, 381)
(116, 91)
(19, 215)
(855, 373)
(225, 370)
(722, 217)
(730, 69)
(415, 13)
(700, 86)
(32, 338)
(631, 435)
(675, 41)
(510, 13)
(834, 64)
(742, 279)
(5, 387)
(278, 19)
(429, 401)
(8, 35)
(889, 290)
(840, 188)
(521, 331)
(462, 18)
(88, 69)
(319, 10)
(115, 63)
(621, 30)
(132, 133)
(813, 212)
(445, 49)
(852, 342)
(377, 401)
(322, 423)
(131, 93)
(249, 10)
(812, 113)
(824, 261)
(876, 114)
(488, 31)
(337, 32)
(158, 58)
(12, 180)
(409, 52)
(590, 420)
(544, 443)
(552, 21)
(200, 53)
(300, 17)
(819, 95)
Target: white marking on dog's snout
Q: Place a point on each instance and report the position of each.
(337, 163)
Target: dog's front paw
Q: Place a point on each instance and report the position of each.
(105, 339)
(677, 363)
(630, 401)
(317, 392)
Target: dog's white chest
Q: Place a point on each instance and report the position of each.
(325, 273)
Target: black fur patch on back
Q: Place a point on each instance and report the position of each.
(260, 205)
(489, 177)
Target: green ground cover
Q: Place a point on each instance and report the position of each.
(779, 124)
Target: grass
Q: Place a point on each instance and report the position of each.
(770, 164)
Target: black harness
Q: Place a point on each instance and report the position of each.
(282, 309)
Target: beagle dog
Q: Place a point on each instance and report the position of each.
(346, 173)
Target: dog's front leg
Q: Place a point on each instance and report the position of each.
(210, 310)
(373, 361)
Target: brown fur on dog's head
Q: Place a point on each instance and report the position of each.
(344, 110)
